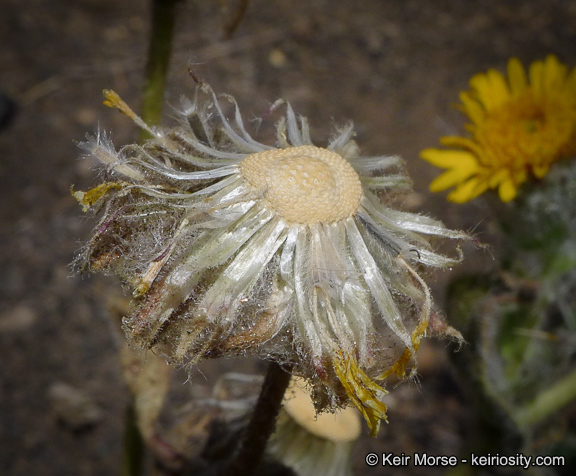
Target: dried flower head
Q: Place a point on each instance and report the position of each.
(313, 444)
(234, 247)
(519, 128)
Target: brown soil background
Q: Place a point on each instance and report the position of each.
(393, 67)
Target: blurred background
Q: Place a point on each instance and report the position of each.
(395, 68)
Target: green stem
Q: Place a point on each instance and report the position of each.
(133, 444)
(159, 50)
(262, 423)
(547, 402)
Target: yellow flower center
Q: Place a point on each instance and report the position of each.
(528, 130)
(306, 184)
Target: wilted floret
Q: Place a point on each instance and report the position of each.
(286, 252)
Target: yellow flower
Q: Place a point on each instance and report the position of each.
(520, 126)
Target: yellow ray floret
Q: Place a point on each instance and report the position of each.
(89, 198)
(521, 124)
(364, 393)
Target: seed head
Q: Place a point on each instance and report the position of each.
(305, 184)
(234, 247)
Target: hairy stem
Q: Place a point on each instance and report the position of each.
(262, 422)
